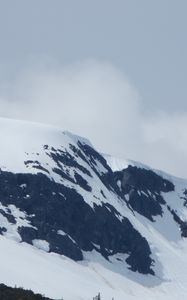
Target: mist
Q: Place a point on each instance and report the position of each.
(96, 100)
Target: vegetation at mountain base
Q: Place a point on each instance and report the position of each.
(8, 293)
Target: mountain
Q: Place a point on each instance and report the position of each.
(75, 222)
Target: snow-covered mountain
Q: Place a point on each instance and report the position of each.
(74, 222)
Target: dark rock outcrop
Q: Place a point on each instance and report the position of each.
(143, 188)
(52, 207)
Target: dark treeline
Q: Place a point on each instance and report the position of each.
(8, 293)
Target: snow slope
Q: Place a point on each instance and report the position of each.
(57, 276)
(20, 139)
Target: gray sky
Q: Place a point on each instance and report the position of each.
(114, 71)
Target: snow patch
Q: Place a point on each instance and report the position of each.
(41, 244)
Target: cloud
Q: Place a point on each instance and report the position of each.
(91, 98)
(165, 139)
(96, 100)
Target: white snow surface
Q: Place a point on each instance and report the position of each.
(21, 140)
(59, 277)
(119, 164)
(41, 244)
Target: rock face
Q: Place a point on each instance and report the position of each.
(59, 215)
(145, 191)
(144, 188)
(64, 197)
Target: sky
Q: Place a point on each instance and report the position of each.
(112, 71)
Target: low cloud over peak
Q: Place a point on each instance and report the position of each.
(96, 100)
